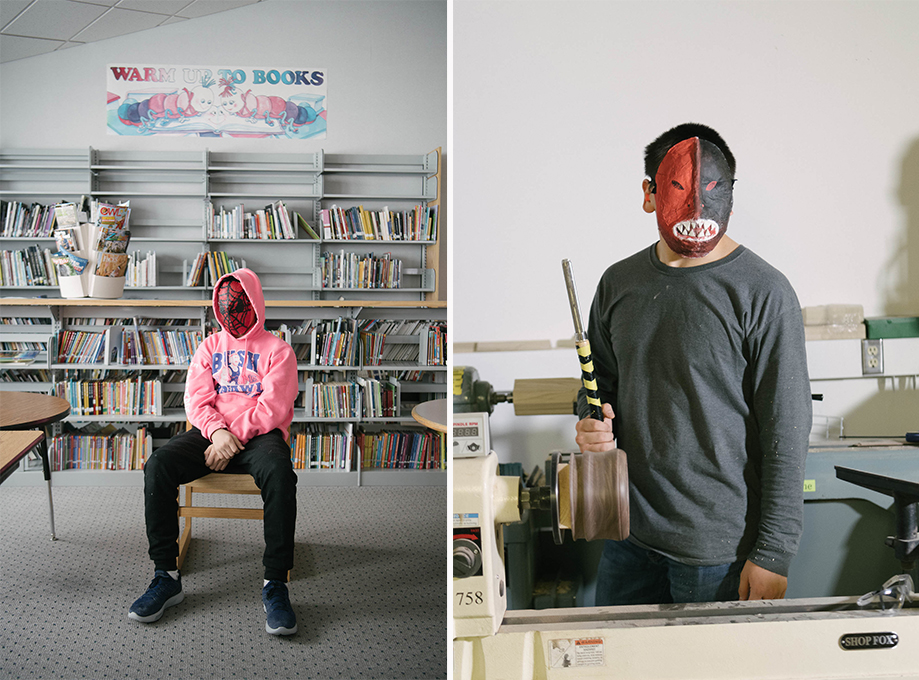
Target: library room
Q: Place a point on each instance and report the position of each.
(223, 360)
(756, 415)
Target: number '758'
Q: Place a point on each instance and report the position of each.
(468, 598)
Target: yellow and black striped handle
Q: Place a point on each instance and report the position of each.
(589, 380)
(583, 345)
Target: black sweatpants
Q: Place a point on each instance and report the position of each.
(181, 460)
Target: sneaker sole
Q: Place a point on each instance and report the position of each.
(280, 630)
(156, 616)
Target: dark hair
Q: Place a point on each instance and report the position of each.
(656, 150)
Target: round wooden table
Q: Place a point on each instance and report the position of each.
(27, 410)
(432, 414)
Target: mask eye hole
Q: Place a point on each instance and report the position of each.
(711, 185)
(677, 185)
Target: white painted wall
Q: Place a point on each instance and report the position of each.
(386, 63)
(555, 101)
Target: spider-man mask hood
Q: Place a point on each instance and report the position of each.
(235, 310)
(695, 193)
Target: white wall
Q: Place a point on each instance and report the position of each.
(555, 101)
(386, 63)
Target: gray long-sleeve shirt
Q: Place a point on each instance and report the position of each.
(706, 370)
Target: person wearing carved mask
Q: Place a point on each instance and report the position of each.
(239, 399)
(698, 350)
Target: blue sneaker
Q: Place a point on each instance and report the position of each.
(281, 619)
(164, 591)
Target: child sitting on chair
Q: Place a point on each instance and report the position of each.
(239, 398)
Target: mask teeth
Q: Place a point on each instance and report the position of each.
(696, 230)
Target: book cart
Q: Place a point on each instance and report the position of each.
(122, 362)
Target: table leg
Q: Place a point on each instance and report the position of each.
(46, 469)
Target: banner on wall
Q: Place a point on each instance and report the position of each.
(215, 101)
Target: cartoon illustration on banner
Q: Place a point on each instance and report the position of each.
(210, 101)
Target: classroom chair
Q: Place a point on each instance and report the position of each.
(215, 482)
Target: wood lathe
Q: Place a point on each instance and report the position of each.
(874, 636)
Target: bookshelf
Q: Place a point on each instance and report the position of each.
(168, 194)
(110, 319)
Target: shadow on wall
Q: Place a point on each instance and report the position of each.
(901, 275)
(842, 552)
(890, 412)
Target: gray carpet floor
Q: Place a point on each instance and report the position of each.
(368, 587)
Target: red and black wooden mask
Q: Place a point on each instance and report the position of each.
(694, 196)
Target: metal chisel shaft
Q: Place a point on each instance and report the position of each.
(583, 346)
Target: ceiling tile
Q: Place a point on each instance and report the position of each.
(69, 44)
(13, 47)
(10, 8)
(57, 19)
(155, 6)
(200, 8)
(119, 22)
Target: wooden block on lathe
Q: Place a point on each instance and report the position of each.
(545, 396)
(564, 495)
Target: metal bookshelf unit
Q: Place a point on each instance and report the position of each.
(168, 192)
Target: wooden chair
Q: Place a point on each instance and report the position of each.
(215, 482)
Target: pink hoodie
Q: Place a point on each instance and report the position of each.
(247, 385)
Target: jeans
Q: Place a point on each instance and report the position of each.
(629, 574)
(181, 460)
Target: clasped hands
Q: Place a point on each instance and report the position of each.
(756, 583)
(224, 445)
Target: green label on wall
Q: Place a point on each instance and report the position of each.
(810, 485)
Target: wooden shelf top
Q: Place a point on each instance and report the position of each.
(93, 302)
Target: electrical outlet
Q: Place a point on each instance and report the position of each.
(872, 357)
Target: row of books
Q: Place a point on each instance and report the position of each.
(158, 347)
(403, 450)
(21, 220)
(274, 221)
(80, 347)
(358, 224)
(415, 376)
(326, 342)
(120, 373)
(25, 321)
(30, 267)
(382, 398)
(141, 271)
(338, 449)
(348, 399)
(174, 399)
(119, 451)
(22, 346)
(340, 400)
(344, 342)
(350, 270)
(371, 348)
(127, 397)
(327, 450)
(332, 450)
(31, 375)
(131, 321)
(437, 345)
(208, 267)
